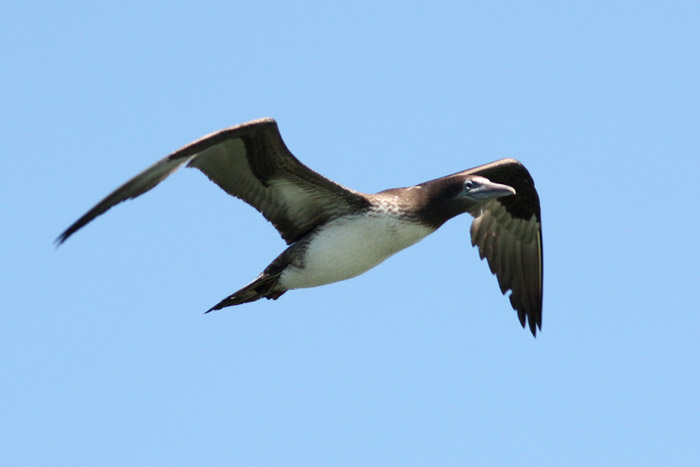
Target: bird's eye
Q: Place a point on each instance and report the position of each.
(468, 185)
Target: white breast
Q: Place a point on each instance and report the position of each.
(349, 246)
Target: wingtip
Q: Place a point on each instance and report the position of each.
(66, 234)
(527, 320)
(533, 330)
(58, 241)
(534, 327)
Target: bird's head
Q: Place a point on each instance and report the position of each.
(468, 193)
(457, 194)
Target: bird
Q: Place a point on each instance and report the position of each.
(335, 233)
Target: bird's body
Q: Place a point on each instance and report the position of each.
(335, 233)
(350, 245)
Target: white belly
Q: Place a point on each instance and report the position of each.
(347, 247)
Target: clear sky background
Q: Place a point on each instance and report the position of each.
(106, 356)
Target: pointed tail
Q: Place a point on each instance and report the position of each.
(262, 286)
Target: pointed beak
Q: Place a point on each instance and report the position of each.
(488, 190)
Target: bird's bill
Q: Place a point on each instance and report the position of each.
(489, 190)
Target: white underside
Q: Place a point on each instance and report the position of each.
(349, 246)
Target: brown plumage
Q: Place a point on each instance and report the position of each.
(320, 219)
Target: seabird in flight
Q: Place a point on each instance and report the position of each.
(335, 233)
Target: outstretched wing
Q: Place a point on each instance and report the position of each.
(251, 162)
(508, 232)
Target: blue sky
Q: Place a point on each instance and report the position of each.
(106, 355)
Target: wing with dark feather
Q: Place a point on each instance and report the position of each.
(508, 233)
(251, 162)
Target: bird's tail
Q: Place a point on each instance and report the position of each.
(262, 286)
